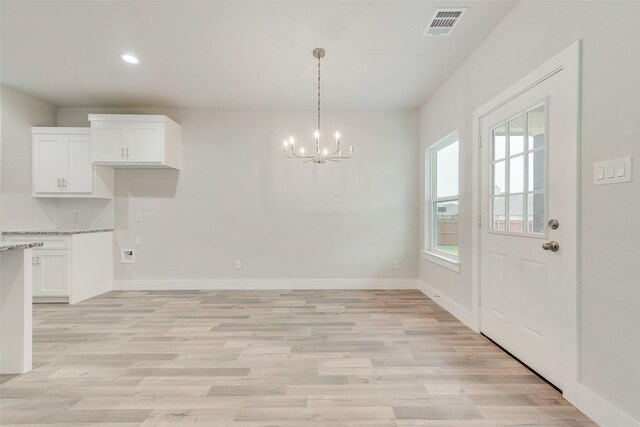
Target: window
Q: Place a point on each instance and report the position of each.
(518, 174)
(442, 199)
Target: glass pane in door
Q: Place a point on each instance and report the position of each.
(535, 209)
(516, 135)
(499, 142)
(535, 126)
(518, 171)
(516, 213)
(498, 222)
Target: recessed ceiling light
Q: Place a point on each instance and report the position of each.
(130, 58)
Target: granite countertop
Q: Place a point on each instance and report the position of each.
(18, 246)
(54, 232)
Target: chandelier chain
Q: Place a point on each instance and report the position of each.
(318, 93)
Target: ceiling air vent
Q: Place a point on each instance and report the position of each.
(444, 21)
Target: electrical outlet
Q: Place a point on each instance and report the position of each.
(396, 264)
(138, 216)
(238, 265)
(138, 240)
(127, 256)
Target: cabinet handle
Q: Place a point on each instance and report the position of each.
(127, 153)
(122, 153)
(59, 183)
(64, 183)
(37, 260)
(33, 260)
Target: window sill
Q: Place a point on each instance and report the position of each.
(441, 260)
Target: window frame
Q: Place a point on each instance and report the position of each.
(430, 253)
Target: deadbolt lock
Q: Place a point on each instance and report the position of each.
(553, 224)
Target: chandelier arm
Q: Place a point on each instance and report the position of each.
(344, 157)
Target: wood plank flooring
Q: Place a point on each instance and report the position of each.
(271, 358)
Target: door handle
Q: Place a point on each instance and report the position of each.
(552, 246)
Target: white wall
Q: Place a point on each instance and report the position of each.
(19, 113)
(609, 293)
(237, 198)
(19, 210)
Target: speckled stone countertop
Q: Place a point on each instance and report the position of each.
(54, 232)
(17, 246)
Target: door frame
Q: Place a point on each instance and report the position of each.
(568, 62)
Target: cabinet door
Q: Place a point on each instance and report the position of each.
(49, 163)
(145, 142)
(79, 176)
(51, 273)
(109, 141)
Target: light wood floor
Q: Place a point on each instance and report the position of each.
(271, 358)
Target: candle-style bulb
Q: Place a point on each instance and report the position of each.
(291, 140)
(285, 143)
(316, 134)
(337, 135)
(325, 152)
(301, 150)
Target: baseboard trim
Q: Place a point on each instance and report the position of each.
(600, 410)
(51, 300)
(265, 284)
(459, 312)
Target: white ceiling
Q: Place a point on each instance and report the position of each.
(234, 54)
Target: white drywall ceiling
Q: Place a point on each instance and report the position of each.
(234, 54)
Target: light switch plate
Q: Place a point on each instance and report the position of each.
(612, 171)
(138, 216)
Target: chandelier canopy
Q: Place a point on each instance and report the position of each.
(321, 155)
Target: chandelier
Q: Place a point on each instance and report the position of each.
(321, 155)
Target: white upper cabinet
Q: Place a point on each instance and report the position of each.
(135, 140)
(63, 165)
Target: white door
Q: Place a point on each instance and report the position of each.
(528, 168)
(109, 141)
(79, 176)
(51, 273)
(145, 142)
(49, 167)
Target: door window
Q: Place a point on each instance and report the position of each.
(518, 170)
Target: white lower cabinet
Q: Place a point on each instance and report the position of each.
(51, 273)
(70, 268)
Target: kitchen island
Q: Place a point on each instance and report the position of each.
(15, 306)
